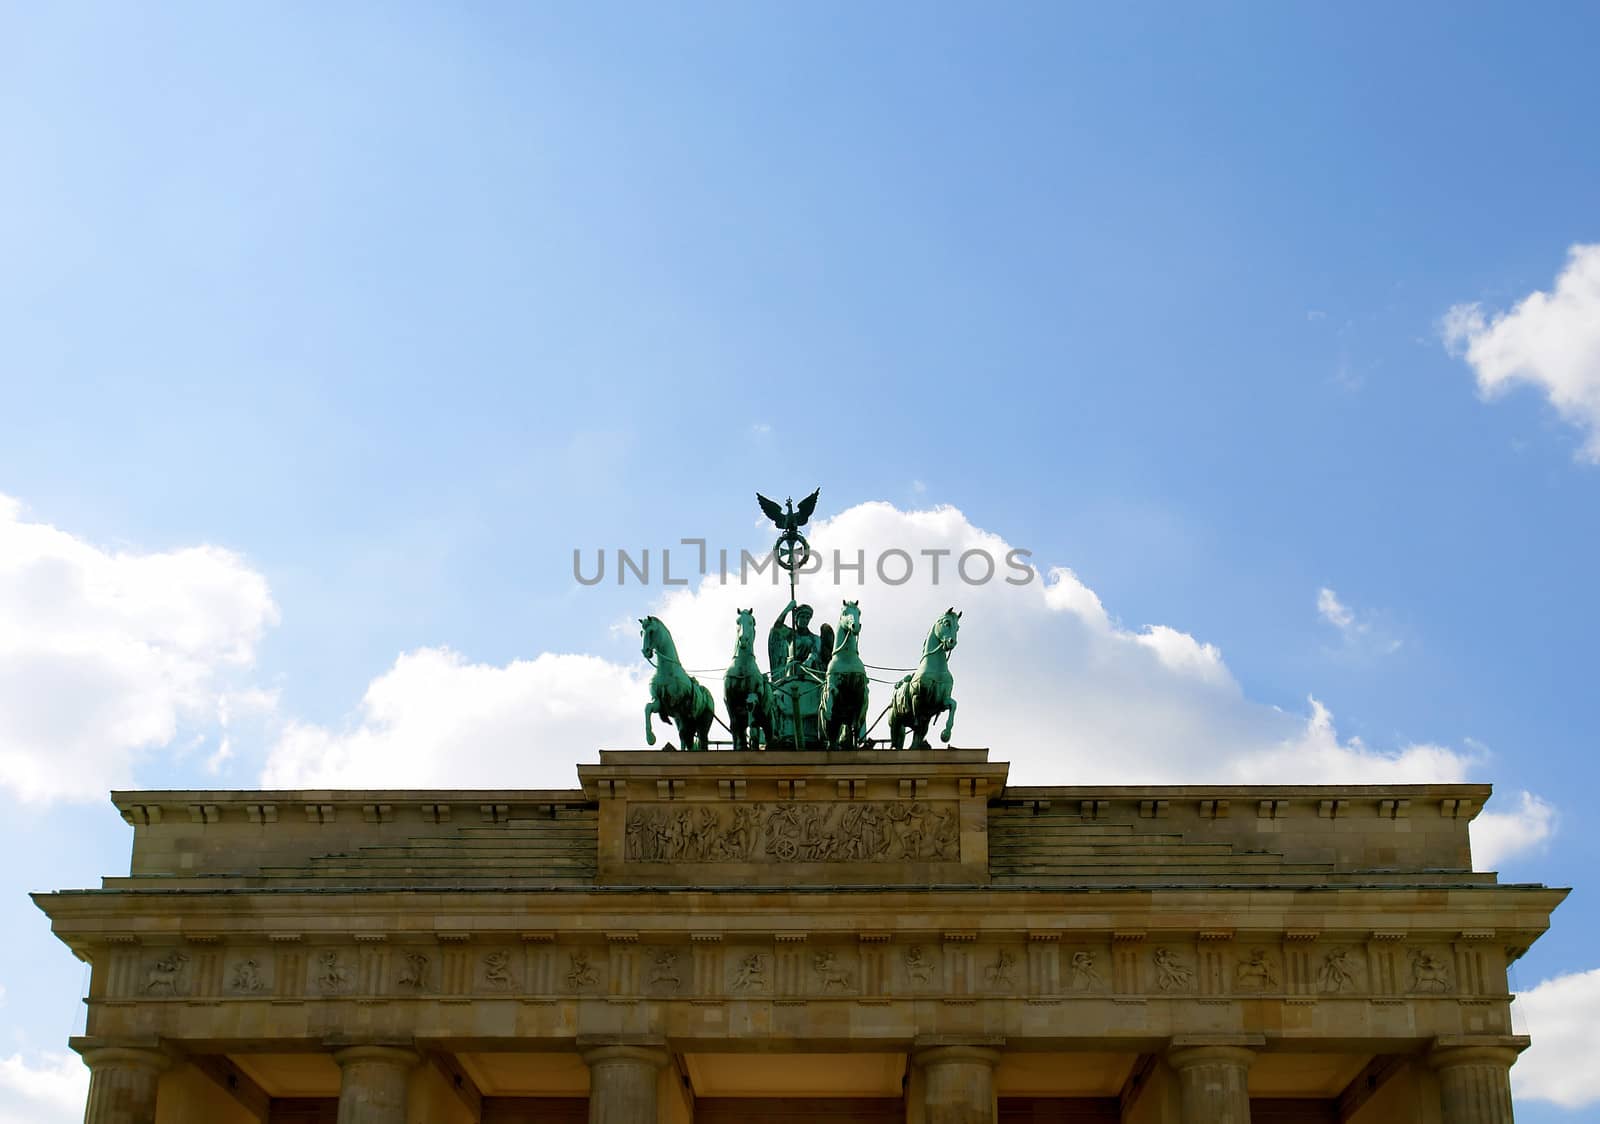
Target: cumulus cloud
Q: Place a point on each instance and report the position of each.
(1501, 835)
(1559, 1066)
(1043, 672)
(105, 653)
(1549, 339)
(49, 1090)
(434, 719)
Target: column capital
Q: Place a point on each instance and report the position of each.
(1187, 1050)
(389, 1052)
(1476, 1049)
(597, 1049)
(932, 1049)
(144, 1053)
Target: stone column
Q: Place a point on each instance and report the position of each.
(122, 1083)
(372, 1083)
(622, 1081)
(957, 1082)
(1475, 1076)
(1212, 1077)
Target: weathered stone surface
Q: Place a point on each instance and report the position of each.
(909, 907)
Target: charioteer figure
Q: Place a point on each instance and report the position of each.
(795, 650)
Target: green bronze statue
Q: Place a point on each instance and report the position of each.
(920, 697)
(746, 692)
(843, 719)
(797, 647)
(674, 694)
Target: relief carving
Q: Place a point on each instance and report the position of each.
(1338, 971)
(1258, 973)
(919, 969)
(999, 972)
(751, 975)
(332, 976)
(497, 969)
(664, 968)
(163, 975)
(1428, 972)
(247, 977)
(1085, 976)
(831, 973)
(816, 831)
(1171, 973)
(580, 972)
(415, 975)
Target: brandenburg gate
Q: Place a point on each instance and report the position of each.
(852, 935)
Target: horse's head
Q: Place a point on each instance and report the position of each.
(650, 628)
(945, 629)
(747, 625)
(850, 618)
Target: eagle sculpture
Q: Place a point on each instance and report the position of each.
(790, 521)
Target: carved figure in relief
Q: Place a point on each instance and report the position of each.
(1171, 973)
(751, 973)
(664, 967)
(247, 977)
(332, 976)
(740, 839)
(1428, 972)
(497, 969)
(163, 974)
(1085, 976)
(1256, 973)
(999, 972)
(831, 973)
(415, 975)
(1338, 971)
(580, 972)
(794, 831)
(918, 967)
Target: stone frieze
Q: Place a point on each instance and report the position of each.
(795, 831)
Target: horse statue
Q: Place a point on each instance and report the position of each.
(746, 692)
(674, 694)
(921, 696)
(843, 716)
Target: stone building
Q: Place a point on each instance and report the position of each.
(775, 937)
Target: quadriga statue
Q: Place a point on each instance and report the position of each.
(923, 695)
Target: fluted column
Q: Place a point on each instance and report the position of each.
(372, 1083)
(122, 1083)
(1475, 1077)
(957, 1085)
(622, 1081)
(1212, 1082)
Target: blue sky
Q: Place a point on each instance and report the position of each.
(397, 305)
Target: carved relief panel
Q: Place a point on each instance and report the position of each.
(841, 831)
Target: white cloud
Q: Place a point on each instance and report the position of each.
(1498, 836)
(434, 719)
(1559, 1066)
(104, 653)
(50, 1090)
(1334, 611)
(1551, 340)
(1361, 632)
(1043, 673)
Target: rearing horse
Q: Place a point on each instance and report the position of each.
(843, 714)
(745, 691)
(674, 694)
(921, 696)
